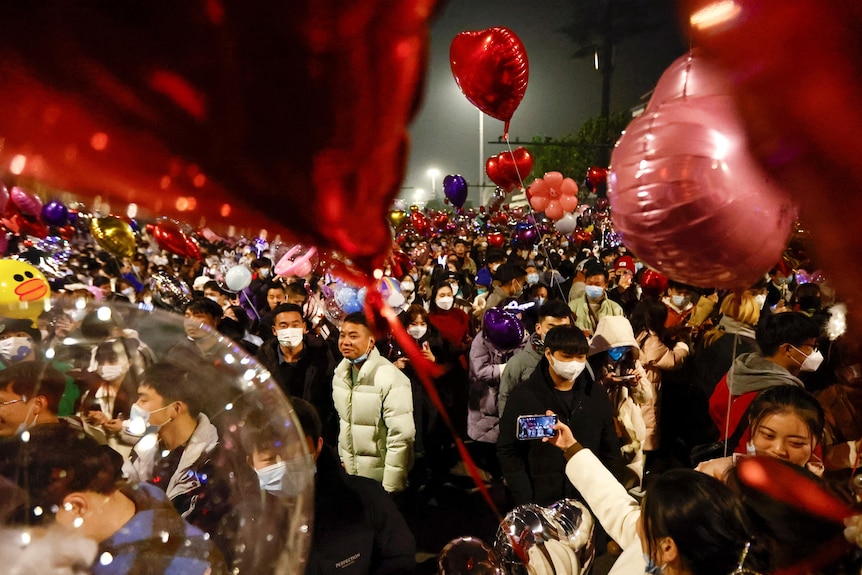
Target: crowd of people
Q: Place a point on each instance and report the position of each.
(649, 379)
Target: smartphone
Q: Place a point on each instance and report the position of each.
(628, 377)
(536, 426)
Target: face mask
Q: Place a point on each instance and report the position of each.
(532, 278)
(638, 266)
(264, 272)
(568, 370)
(415, 277)
(417, 332)
(481, 291)
(288, 478)
(679, 301)
(539, 301)
(651, 568)
(616, 353)
(359, 359)
(407, 287)
(519, 292)
(493, 268)
(110, 372)
(15, 348)
(139, 421)
(213, 298)
(780, 281)
(289, 337)
(760, 300)
(136, 269)
(812, 361)
(443, 244)
(445, 303)
(594, 292)
(455, 287)
(128, 292)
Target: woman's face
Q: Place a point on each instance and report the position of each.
(785, 436)
(444, 291)
(418, 321)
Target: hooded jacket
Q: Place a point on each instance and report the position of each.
(520, 368)
(749, 374)
(535, 470)
(376, 429)
(487, 364)
(584, 317)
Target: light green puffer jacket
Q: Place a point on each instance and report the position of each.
(376, 429)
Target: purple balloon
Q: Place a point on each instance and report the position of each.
(54, 213)
(455, 188)
(503, 328)
(525, 233)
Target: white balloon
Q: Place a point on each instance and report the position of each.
(566, 224)
(237, 278)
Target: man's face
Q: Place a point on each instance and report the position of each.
(275, 297)
(214, 295)
(354, 340)
(544, 326)
(150, 400)
(296, 299)
(460, 249)
(194, 324)
(596, 280)
(288, 319)
(14, 410)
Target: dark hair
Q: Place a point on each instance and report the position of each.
(807, 297)
(261, 263)
(33, 378)
(288, 308)
(262, 432)
(213, 285)
(174, 383)
(459, 241)
(296, 288)
(778, 329)
(567, 339)
(555, 308)
(308, 418)
(241, 317)
(706, 521)
(789, 398)
(356, 318)
(273, 285)
(57, 460)
(432, 303)
(595, 269)
(649, 315)
(202, 305)
(411, 312)
(508, 272)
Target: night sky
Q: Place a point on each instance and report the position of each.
(562, 92)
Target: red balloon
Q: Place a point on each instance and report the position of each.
(516, 164)
(29, 227)
(497, 175)
(108, 112)
(421, 223)
(441, 220)
(67, 232)
(597, 179)
(688, 198)
(496, 239)
(582, 236)
(653, 283)
(171, 238)
(491, 68)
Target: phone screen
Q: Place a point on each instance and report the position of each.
(536, 426)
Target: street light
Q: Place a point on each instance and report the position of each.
(433, 173)
(417, 196)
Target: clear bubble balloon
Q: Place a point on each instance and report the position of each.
(98, 450)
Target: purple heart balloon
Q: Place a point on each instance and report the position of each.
(455, 188)
(54, 213)
(503, 328)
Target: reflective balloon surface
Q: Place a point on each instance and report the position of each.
(469, 556)
(63, 479)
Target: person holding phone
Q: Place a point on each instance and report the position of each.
(562, 382)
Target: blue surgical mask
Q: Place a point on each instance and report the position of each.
(617, 353)
(359, 359)
(594, 292)
(532, 278)
(651, 568)
(289, 478)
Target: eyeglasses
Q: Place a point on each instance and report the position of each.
(11, 401)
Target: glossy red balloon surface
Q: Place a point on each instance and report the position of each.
(491, 68)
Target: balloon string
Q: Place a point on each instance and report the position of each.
(426, 370)
(542, 245)
(249, 302)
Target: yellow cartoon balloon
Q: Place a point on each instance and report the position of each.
(24, 291)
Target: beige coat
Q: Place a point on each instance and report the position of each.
(656, 357)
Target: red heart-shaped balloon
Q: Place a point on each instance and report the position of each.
(491, 68)
(421, 223)
(496, 239)
(171, 238)
(496, 173)
(441, 220)
(516, 164)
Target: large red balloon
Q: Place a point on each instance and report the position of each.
(797, 72)
(171, 238)
(491, 68)
(516, 164)
(290, 116)
(497, 175)
(687, 196)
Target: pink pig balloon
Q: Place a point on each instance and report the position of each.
(687, 196)
(295, 262)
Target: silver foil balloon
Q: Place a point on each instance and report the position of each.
(170, 292)
(577, 529)
(525, 526)
(469, 555)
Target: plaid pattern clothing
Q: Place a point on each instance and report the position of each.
(156, 541)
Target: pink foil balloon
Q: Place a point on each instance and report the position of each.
(295, 262)
(554, 195)
(4, 198)
(689, 77)
(28, 204)
(689, 199)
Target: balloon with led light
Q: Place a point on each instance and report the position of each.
(688, 198)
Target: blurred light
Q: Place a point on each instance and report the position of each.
(78, 522)
(433, 172)
(38, 511)
(225, 212)
(25, 537)
(106, 558)
(596, 59)
(248, 375)
(50, 353)
(25, 436)
(182, 204)
(228, 407)
(99, 141)
(715, 14)
(16, 166)
(165, 182)
(378, 273)
(229, 359)
(132, 210)
(199, 181)
(103, 313)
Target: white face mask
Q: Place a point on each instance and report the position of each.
(445, 303)
(264, 272)
(289, 337)
(532, 278)
(289, 478)
(760, 299)
(679, 301)
(417, 332)
(129, 292)
(407, 287)
(213, 298)
(16, 348)
(568, 370)
(811, 362)
(111, 372)
(138, 423)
